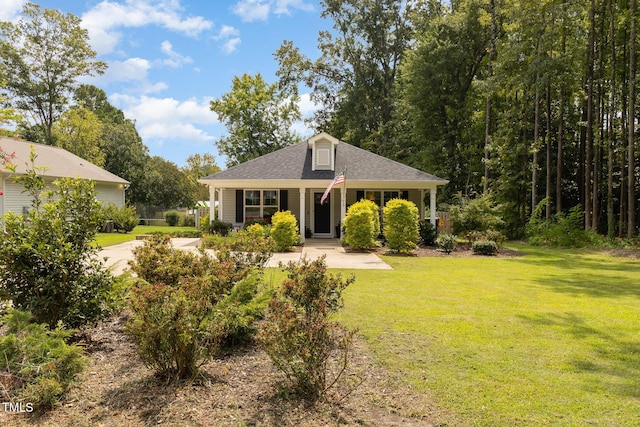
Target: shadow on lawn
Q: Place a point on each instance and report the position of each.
(614, 363)
(586, 275)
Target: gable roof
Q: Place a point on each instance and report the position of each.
(294, 163)
(59, 163)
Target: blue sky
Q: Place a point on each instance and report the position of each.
(168, 58)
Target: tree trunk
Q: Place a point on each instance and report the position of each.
(589, 141)
(611, 220)
(631, 157)
(536, 148)
(487, 127)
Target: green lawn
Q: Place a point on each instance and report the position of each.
(108, 239)
(549, 338)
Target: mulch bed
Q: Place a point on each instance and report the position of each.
(241, 388)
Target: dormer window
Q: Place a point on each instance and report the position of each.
(323, 152)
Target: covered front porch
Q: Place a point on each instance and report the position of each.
(320, 220)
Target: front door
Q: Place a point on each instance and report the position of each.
(322, 214)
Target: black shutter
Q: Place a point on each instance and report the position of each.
(240, 206)
(284, 200)
(359, 195)
(404, 195)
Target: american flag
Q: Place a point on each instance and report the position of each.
(339, 179)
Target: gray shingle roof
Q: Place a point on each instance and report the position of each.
(59, 163)
(294, 162)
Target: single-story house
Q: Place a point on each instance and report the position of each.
(58, 163)
(295, 178)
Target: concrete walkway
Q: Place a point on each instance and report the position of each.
(118, 255)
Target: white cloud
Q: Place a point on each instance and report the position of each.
(10, 9)
(231, 45)
(162, 119)
(259, 10)
(306, 105)
(131, 69)
(252, 10)
(106, 17)
(175, 60)
(230, 37)
(283, 7)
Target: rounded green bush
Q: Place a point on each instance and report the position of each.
(362, 225)
(284, 230)
(484, 247)
(401, 225)
(447, 242)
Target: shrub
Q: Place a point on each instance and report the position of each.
(484, 247)
(250, 222)
(256, 231)
(479, 214)
(38, 366)
(447, 242)
(189, 221)
(563, 230)
(48, 261)
(124, 219)
(284, 230)
(219, 227)
(172, 218)
(297, 333)
(192, 234)
(362, 225)
(401, 225)
(187, 304)
(428, 232)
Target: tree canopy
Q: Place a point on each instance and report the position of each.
(41, 58)
(258, 117)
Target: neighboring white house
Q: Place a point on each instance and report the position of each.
(295, 178)
(59, 163)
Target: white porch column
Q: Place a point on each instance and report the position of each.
(212, 203)
(343, 206)
(303, 214)
(432, 205)
(220, 203)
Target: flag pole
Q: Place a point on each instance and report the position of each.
(343, 199)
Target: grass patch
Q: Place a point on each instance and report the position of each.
(108, 239)
(549, 338)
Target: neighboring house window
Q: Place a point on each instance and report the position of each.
(260, 204)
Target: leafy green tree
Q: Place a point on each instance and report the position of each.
(436, 125)
(171, 187)
(200, 166)
(353, 79)
(79, 131)
(42, 56)
(125, 153)
(258, 117)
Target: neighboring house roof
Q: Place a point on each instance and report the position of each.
(294, 163)
(59, 163)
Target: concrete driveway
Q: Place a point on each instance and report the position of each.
(117, 256)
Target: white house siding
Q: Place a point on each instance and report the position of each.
(229, 205)
(14, 200)
(110, 193)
